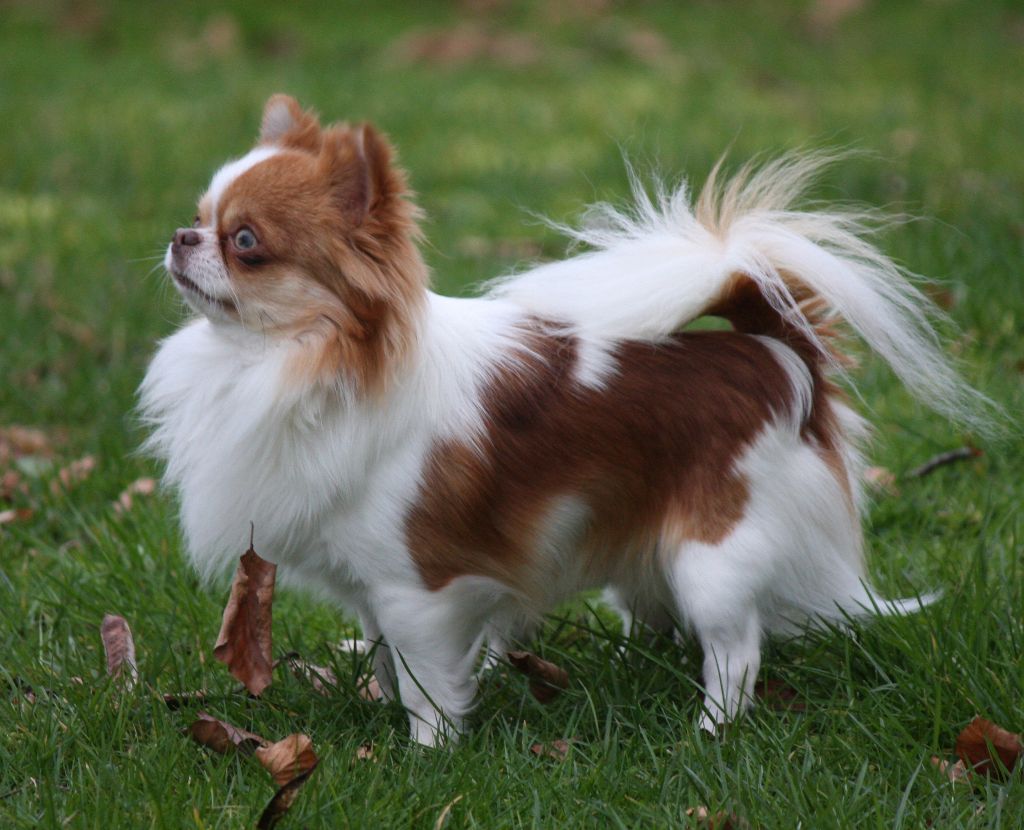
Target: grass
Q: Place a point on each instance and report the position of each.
(116, 114)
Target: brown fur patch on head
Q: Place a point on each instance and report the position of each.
(336, 266)
(651, 455)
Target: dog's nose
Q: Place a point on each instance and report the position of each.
(186, 236)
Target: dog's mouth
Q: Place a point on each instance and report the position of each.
(189, 286)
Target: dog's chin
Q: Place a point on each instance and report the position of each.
(218, 308)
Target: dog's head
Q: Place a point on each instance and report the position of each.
(310, 236)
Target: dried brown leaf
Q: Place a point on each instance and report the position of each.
(74, 473)
(20, 514)
(982, 742)
(282, 802)
(703, 817)
(244, 643)
(546, 679)
(556, 750)
(369, 688)
(775, 694)
(222, 737)
(17, 441)
(322, 679)
(881, 479)
(464, 44)
(175, 700)
(956, 772)
(10, 484)
(139, 487)
(288, 758)
(119, 647)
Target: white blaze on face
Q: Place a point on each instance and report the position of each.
(204, 264)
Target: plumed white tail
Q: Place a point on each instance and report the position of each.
(668, 260)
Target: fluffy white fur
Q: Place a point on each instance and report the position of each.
(327, 476)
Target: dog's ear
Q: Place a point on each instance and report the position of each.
(357, 161)
(286, 123)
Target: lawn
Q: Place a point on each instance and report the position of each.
(115, 114)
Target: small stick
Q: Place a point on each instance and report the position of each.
(943, 458)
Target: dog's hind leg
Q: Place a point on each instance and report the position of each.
(716, 597)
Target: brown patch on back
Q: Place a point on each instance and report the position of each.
(337, 265)
(651, 455)
(746, 308)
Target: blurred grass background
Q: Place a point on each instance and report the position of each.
(113, 117)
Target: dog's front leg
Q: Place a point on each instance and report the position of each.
(433, 643)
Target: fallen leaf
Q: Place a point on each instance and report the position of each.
(175, 700)
(11, 483)
(825, 16)
(119, 647)
(139, 487)
(777, 695)
(288, 758)
(721, 820)
(21, 514)
(464, 44)
(17, 441)
(881, 479)
(244, 643)
(556, 750)
(321, 678)
(956, 772)
(982, 742)
(369, 688)
(75, 473)
(222, 737)
(364, 752)
(282, 802)
(546, 679)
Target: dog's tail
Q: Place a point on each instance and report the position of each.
(744, 252)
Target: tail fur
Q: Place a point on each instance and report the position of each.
(744, 252)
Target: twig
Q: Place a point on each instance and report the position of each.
(943, 458)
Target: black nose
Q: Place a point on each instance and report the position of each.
(186, 236)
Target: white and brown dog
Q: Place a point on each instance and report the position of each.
(450, 469)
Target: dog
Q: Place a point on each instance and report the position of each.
(450, 469)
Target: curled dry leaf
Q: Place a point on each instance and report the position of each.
(321, 678)
(779, 696)
(369, 688)
(982, 742)
(221, 736)
(881, 479)
(703, 817)
(282, 802)
(244, 643)
(119, 647)
(75, 473)
(175, 700)
(21, 514)
(556, 750)
(546, 679)
(956, 772)
(288, 758)
(16, 441)
(139, 487)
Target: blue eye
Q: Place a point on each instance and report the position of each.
(245, 240)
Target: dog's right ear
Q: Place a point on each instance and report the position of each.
(286, 123)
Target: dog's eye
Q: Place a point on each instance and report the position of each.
(196, 222)
(245, 240)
